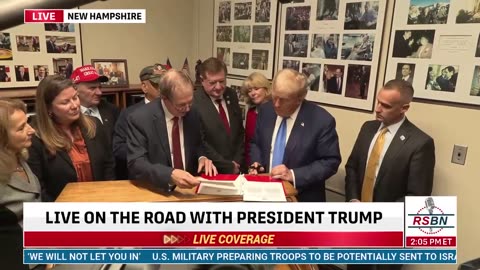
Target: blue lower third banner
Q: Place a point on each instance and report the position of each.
(244, 256)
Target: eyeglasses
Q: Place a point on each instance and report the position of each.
(181, 107)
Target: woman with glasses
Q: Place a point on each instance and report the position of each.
(18, 184)
(68, 147)
(256, 88)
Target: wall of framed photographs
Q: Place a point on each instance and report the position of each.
(336, 44)
(31, 51)
(244, 35)
(435, 44)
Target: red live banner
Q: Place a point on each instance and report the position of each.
(211, 239)
(43, 15)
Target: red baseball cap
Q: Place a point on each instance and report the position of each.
(87, 74)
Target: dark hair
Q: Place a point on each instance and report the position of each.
(403, 87)
(212, 65)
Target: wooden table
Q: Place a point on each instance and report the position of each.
(138, 191)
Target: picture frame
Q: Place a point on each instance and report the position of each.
(244, 36)
(336, 44)
(30, 52)
(439, 41)
(114, 69)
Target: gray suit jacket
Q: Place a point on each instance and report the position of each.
(12, 195)
(406, 170)
(148, 156)
(220, 147)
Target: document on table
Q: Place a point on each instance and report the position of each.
(263, 192)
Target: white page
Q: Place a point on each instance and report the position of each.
(263, 192)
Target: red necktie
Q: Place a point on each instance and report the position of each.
(177, 149)
(223, 116)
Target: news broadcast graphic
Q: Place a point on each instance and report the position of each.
(240, 256)
(431, 221)
(213, 225)
(84, 15)
(171, 233)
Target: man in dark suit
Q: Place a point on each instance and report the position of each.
(164, 141)
(87, 82)
(403, 44)
(150, 77)
(22, 74)
(406, 73)
(391, 158)
(335, 83)
(221, 118)
(295, 140)
(51, 46)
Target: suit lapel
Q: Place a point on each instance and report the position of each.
(296, 134)
(187, 141)
(269, 125)
(161, 128)
(231, 116)
(212, 110)
(401, 137)
(64, 155)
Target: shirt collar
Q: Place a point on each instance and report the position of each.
(168, 115)
(295, 113)
(93, 108)
(394, 127)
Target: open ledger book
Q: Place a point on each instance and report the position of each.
(253, 188)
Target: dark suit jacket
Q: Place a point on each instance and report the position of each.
(109, 113)
(119, 141)
(333, 87)
(149, 156)
(406, 169)
(220, 147)
(54, 172)
(312, 149)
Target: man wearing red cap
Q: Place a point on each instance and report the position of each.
(87, 82)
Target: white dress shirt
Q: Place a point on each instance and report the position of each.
(389, 135)
(224, 105)
(290, 122)
(92, 111)
(169, 120)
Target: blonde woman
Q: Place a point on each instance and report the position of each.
(256, 88)
(69, 146)
(18, 184)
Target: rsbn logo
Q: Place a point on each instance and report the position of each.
(430, 219)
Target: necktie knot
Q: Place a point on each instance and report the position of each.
(175, 120)
(218, 101)
(89, 112)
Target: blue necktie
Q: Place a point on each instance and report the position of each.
(280, 142)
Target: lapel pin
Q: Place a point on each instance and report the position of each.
(106, 120)
(302, 124)
(402, 137)
(228, 101)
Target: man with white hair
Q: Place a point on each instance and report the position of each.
(295, 140)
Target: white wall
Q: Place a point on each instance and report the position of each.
(167, 33)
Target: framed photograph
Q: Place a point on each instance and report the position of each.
(336, 44)
(114, 69)
(30, 52)
(434, 44)
(245, 35)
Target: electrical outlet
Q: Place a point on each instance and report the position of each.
(459, 154)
